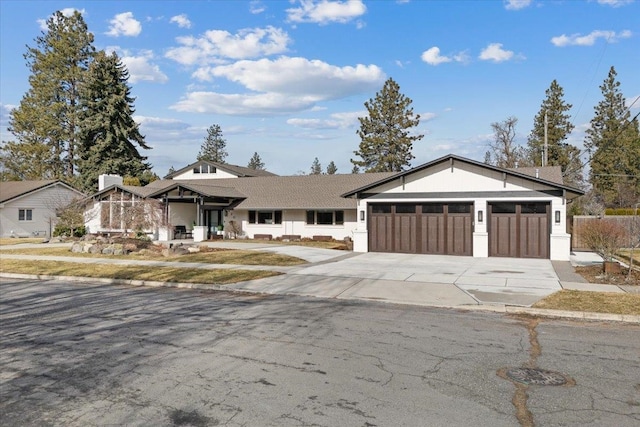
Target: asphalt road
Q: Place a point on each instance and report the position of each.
(89, 354)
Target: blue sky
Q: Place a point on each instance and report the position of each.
(288, 79)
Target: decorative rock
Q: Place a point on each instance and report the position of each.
(193, 250)
(108, 250)
(77, 247)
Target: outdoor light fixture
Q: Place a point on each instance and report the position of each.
(479, 216)
(361, 215)
(557, 217)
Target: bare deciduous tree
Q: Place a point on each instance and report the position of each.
(503, 151)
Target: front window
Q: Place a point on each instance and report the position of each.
(265, 217)
(25, 214)
(325, 217)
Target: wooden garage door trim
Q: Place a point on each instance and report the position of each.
(407, 228)
(523, 233)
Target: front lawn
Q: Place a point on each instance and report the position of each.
(593, 302)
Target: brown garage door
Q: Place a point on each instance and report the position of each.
(424, 228)
(519, 230)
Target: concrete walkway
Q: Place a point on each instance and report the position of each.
(428, 280)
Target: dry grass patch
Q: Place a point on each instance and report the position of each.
(226, 256)
(594, 302)
(5, 241)
(338, 245)
(625, 254)
(160, 274)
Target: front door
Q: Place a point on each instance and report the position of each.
(212, 219)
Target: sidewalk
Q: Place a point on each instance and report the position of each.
(414, 280)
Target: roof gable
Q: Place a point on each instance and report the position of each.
(10, 190)
(238, 171)
(450, 161)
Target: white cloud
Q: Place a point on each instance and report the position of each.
(301, 77)
(284, 85)
(256, 7)
(590, 39)
(494, 52)
(215, 45)
(633, 103)
(124, 24)
(337, 121)
(432, 56)
(425, 117)
(67, 11)
(160, 123)
(324, 11)
(516, 4)
(615, 3)
(141, 69)
(181, 20)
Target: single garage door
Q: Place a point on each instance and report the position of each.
(519, 230)
(423, 228)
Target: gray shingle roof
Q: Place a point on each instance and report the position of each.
(11, 189)
(240, 171)
(548, 173)
(294, 192)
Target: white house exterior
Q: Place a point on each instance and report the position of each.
(452, 206)
(28, 208)
(457, 206)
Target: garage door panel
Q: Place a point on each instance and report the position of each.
(405, 233)
(459, 234)
(380, 235)
(534, 231)
(432, 234)
(503, 235)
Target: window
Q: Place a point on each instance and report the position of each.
(325, 217)
(508, 208)
(533, 208)
(405, 209)
(25, 214)
(265, 217)
(459, 208)
(433, 208)
(381, 209)
(205, 168)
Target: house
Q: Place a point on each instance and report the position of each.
(28, 208)
(451, 205)
(458, 206)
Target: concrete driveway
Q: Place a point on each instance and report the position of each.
(432, 280)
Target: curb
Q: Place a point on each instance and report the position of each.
(506, 309)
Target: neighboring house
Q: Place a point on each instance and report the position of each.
(28, 208)
(451, 205)
(457, 206)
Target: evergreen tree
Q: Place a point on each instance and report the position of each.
(559, 126)
(109, 135)
(316, 167)
(214, 146)
(171, 170)
(355, 169)
(25, 161)
(256, 162)
(331, 168)
(614, 143)
(386, 143)
(48, 113)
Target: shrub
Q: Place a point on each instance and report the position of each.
(605, 237)
(63, 230)
(622, 211)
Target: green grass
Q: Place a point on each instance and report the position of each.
(160, 274)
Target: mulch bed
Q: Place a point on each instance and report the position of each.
(594, 274)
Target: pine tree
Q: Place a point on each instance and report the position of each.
(614, 143)
(331, 168)
(559, 126)
(24, 161)
(48, 112)
(214, 146)
(386, 142)
(355, 169)
(316, 167)
(256, 162)
(109, 135)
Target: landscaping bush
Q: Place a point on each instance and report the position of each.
(622, 211)
(605, 237)
(63, 230)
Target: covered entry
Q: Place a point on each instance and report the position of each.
(519, 230)
(422, 228)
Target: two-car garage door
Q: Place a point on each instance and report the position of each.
(423, 228)
(518, 229)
